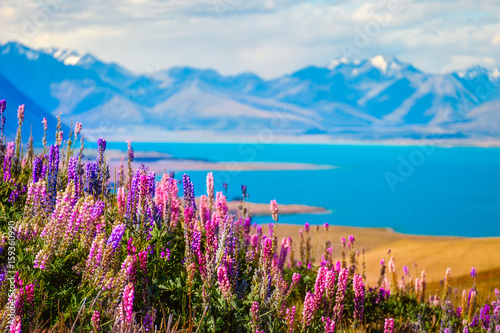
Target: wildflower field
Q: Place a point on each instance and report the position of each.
(88, 249)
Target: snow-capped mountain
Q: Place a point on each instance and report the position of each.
(379, 97)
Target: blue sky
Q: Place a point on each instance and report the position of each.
(268, 37)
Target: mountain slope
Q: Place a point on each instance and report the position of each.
(376, 97)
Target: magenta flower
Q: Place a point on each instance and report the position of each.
(254, 314)
(128, 302)
(96, 317)
(329, 324)
(473, 272)
(338, 309)
(15, 327)
(310, 307)
(389, 325)
(290, 318)
(224, 284)
(359, 297)
(274, 210)
(326, 226)
(307, 226)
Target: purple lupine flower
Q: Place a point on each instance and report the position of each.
(116, 236)
(189, 198)
(285, 248)
(473, 272)
(351, 241)
(149, 320)
(53, 170)
(165, 254)
(406, 270)
(475, 321)
(389, 325)
(484, 316)
(359, 297)
(244, 191)
(37, 169)
(3, 105)
(101, 147)
(92, 173)
(74, 174)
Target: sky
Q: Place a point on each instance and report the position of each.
(267, 37)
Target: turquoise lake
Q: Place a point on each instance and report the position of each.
(411, 189)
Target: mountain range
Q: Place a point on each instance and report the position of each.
(376, 98)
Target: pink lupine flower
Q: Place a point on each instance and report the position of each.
(330, 284)
(341, 289)
(254, 314)
(44, 122)
(329, 324)
(307, 226)
(15, 327)
(60, 138)
(310, 307)
(359, 297)
(224, 284)
(221, 204)
(78, 128)
(342, 241)
(290, 318)
(389, 325)
(326, 226)
(96, 317)
(128, 302)
(295, 278)
(319, 286)
(7, 162)
(274, 210)
(20, 113)
(204, 210)
(210, 189)
(121, 200)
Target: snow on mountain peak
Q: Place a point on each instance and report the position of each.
(21, 49)
(379, 62)
(336, 62)
(70, 58)
(384, 63)
(495, 73)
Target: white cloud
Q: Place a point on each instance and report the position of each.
(265, 36)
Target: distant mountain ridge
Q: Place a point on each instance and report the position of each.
(375, 98)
